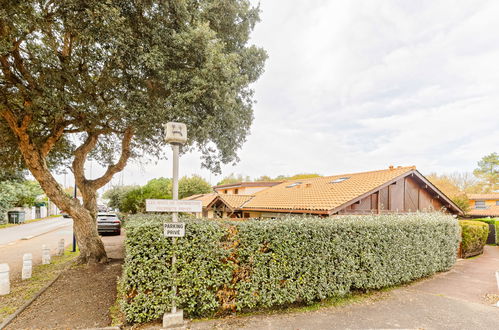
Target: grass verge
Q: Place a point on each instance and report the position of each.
(7, 225)
(22, 291)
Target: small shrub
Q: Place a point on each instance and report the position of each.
(227, 266)
(474, 237)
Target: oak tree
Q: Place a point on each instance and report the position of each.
(98, 79)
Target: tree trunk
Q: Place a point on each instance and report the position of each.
(90, 245)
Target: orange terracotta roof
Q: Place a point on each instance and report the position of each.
(491, 196)
(235, 201)
(320, 194)
(492, 211)
(204, 198)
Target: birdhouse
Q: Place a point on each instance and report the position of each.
(175, 133)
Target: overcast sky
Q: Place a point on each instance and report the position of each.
(359, 85)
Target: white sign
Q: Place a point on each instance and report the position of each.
(174, 229)
(170, 205)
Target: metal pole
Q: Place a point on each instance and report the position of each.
(175, 148)
(74, 236)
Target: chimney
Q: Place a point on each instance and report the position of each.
(308, 185)
(390, 167)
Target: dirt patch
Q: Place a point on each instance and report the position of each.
(80, 298)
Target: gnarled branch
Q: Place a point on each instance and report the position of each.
(80, 156)
(120, 164)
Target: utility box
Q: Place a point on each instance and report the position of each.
(16, 216)
(175, 133)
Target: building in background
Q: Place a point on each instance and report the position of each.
(484, 205)
(393, 190)
(244, 188)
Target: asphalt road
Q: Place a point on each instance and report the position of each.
(29, 238)
(30, 230)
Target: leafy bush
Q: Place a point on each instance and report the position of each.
(490, 221)
(226, 266)
(474, 236)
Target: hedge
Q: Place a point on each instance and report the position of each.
(491, 221)
(474, 236)
(227, 266)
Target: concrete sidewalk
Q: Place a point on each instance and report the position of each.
(456, 299)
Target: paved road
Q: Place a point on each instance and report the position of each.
(28, 230)
(456, 299)
(29, 238)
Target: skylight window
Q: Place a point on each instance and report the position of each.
(340, 180)
(294, 184)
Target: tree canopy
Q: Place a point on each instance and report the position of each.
(98, 79)
(105, 72)
(488, 172)
(188, 186)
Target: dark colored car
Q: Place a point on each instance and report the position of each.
(108, 223)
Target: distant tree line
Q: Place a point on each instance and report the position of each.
(15, 191)
(457, 186)
(132, 199)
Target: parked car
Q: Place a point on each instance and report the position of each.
(108, 223)
(65, 215)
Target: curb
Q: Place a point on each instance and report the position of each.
(21, 309)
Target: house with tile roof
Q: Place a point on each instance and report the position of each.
(244, 188)
(484, 205)
(392, 190)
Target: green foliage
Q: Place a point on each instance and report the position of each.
(462, 201)
(27, 193)
(226, 266)
(233, 178)
(7, 198)
(18, 194)
(490, 221)
(188, 186)
(100, 67)
(474, 237)
(488, 172)
(116, 194)
(134, 200)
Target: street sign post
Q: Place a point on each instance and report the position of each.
(176, 135)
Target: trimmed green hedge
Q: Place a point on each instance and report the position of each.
(474, 237)
(226, 266)
(491, 221)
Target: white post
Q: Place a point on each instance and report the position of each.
(60, 248)
(27, 266)
(176, 135)
(45, 255)
(4, 279)
(175, 148)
